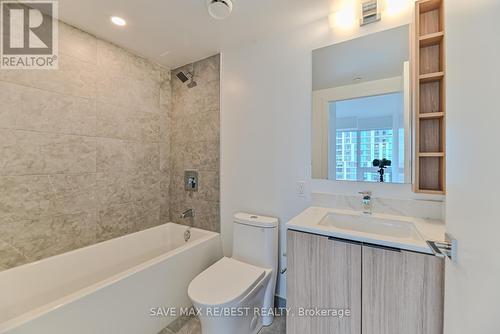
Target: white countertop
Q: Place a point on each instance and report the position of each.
(309, 219)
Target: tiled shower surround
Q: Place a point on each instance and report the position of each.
(195, 143)
(85, 151)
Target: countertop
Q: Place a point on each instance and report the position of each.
(308, 221)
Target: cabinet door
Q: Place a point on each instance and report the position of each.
(402, 292)
(323, 274)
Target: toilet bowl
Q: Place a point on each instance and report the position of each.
(228, 296)
(235, 294)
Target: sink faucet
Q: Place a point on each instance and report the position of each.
(189, 213)
(367, 202)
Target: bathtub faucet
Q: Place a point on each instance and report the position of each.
(189, 213)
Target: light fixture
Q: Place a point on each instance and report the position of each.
(344, 18)
(220, 9)
(396, 7)
(118, 21)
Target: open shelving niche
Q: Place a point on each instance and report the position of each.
(430, 148)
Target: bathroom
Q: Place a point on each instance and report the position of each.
(163, 162)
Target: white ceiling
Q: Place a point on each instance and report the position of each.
(373, 57)
(177, 32)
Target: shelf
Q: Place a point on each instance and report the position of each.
(427, 6)
(431, 115)
(431, 77)
(431, 173)
(430, 108)
(431, 154)
(431, 39)
(430, 192)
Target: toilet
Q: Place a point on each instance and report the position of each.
(230, 291)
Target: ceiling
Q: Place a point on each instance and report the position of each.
(373, 57)
(177, 32)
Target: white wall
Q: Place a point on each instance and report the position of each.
(472, 302)
(266, 121)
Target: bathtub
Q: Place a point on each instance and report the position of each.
(110, 287)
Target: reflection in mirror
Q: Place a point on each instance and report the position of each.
(361, 109)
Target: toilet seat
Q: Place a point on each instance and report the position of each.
(226, 281)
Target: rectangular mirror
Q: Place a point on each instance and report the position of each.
(361, 109)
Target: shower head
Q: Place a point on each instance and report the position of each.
(182, 77)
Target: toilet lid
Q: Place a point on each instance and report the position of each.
(225, 281)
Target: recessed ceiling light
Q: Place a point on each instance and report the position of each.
(220, 9)
(118, 21)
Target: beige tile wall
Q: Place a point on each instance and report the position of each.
(195, 143)
(84, 150)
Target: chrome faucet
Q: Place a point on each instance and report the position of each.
(367, 202)
(189, 213)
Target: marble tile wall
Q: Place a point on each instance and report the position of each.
(84, 150)
(195, 143)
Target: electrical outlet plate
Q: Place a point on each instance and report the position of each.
(301, 188)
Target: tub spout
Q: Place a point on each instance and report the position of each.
(189, 213)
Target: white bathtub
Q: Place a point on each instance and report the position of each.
(109, 287)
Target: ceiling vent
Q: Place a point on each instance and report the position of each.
(220, 9)
(370, 12)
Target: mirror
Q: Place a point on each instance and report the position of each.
(361, 109)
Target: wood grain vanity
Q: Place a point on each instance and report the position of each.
(388, 291)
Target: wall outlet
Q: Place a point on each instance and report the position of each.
(301, 188)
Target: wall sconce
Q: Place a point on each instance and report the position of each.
(344, 18)
(370, 12)
(395, 7)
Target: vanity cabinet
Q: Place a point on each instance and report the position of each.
(402, 292)
(387, 291)
(323, 274)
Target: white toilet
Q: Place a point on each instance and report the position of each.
(229, 291)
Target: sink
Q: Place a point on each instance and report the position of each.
(385, 230)
(373, 225)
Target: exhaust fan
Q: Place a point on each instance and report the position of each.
(370, 12)
(220, 9)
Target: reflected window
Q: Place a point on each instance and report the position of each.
(365, 129)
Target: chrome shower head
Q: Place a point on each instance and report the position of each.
(182, 77)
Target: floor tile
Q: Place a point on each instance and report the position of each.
(187, 325)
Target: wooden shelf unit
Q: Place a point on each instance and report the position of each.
(431, 39)
(430, 120)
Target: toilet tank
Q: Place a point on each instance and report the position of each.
(255, 240)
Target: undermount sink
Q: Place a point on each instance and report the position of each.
(372, 225)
